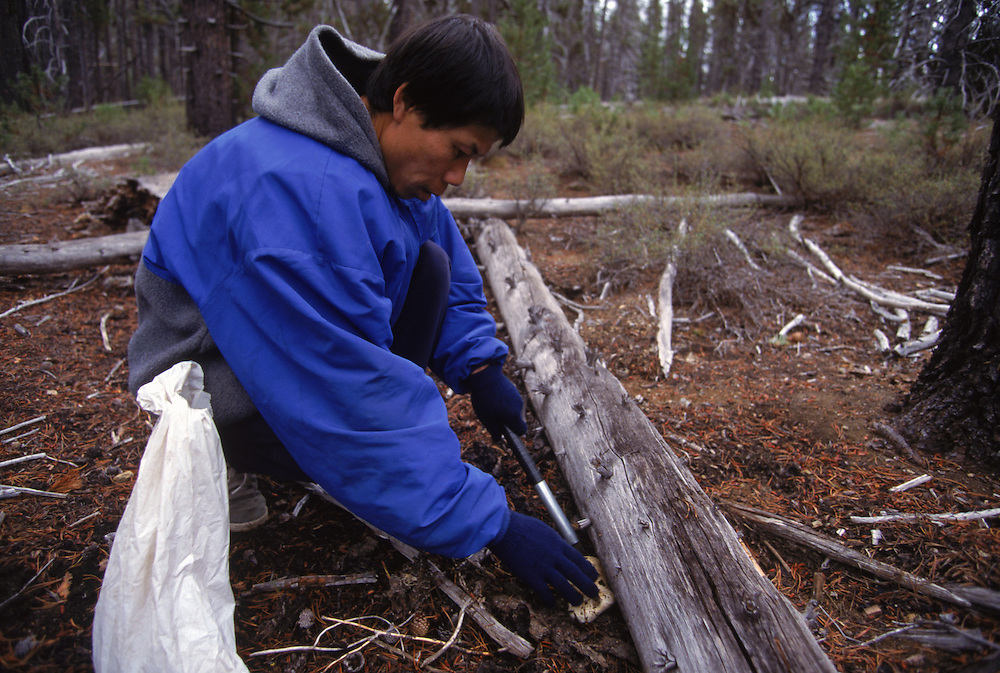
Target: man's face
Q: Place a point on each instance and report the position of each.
(424, 161)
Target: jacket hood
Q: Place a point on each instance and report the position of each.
(317, 92)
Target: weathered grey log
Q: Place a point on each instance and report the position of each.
(79, 253)
(119, 248)
(690, 595)
(463, 208)
(73, 158)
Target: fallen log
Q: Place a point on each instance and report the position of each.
(121, 248)
(689, 592)
(463, 208)
(73, 158)
(81, 253)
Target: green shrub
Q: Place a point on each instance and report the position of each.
(153, 91)
(855, 92)
(690, 232)
(540, 133)
(163, 125)
(601, 145)
(681, 127)
(583, 99)
(814, 161)
(649, 232)
(535, 184)
(893, 178)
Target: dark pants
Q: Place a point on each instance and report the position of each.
(251, 445)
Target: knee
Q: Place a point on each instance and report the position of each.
(433, 266)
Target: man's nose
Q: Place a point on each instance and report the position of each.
(455, 174)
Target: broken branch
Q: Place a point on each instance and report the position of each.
(805, 536)
(34, 302)
(311, 581)
(914, 517)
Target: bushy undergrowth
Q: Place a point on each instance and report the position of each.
(160, 121)
(889, 177)
(691, 233)
(617, 148)
(922, 169)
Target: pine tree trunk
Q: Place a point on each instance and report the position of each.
(954, 405)
(210, 109)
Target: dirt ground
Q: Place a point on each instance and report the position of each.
(786, 425)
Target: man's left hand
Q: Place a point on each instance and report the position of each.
(496, 401)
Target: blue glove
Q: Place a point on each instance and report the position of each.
(496, 402)
(538, 556)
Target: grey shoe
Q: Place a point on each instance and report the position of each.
(247, 507)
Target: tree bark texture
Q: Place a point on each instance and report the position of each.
(690, 594)
(13, 59)
(955, 402)
(206, 39)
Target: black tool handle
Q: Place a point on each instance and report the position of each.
(522, 455)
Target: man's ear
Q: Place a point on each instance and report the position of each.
(399, 106)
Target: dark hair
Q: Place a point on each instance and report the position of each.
(458, 71)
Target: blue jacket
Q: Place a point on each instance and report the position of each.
(298, 261)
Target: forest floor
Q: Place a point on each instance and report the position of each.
(785, 425)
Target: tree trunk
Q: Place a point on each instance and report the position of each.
(210, 109)
(954, 405)
(821, 61)
(954, 40)
(690, 594)
(13, 58)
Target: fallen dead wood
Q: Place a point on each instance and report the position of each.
(507, 639)
(310, 582)
(689, 592)
(915, 517)
(463, 208)
(664, 332)
(800, 534)
(870, 292)
(121, 248)
(74, 287)
(81, 253)
(73, 158)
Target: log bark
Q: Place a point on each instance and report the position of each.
(79, 253)
(73, 158)
(689, 592)
(120, 248)
(463, 208)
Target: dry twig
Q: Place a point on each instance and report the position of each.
(72, 288)
(310, 581)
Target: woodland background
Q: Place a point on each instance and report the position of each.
(870, 116)
(59, 55)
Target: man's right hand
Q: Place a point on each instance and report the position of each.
(537, 555)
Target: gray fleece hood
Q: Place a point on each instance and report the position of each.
(318, 93)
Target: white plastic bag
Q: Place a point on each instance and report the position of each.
(166, 603)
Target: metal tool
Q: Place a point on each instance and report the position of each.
(562, 524)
